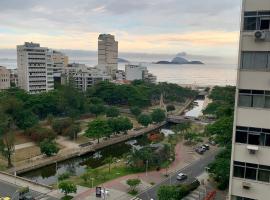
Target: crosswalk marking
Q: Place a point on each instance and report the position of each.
(135, 198)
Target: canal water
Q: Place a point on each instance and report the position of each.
(77, 166)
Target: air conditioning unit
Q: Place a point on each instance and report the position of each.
(246, 185)
(252, 149)
(260, 35)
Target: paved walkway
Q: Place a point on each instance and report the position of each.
(184, 156)
(24, 145)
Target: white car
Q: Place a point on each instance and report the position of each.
(181, 176)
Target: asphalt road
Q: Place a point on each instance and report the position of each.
(193, 170)
(9, 190)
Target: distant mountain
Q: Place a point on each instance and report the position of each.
(179, 60)
(121, 60)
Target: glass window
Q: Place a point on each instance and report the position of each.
(262, 139)
(251, 173)
(241, 137)
(260, 60)
(245, 100)
(254, 138)
(248, 60)
(265, 24)
(239, 171)
(268, 66)
(267, 140)
(267, 101)
(250, 23)
(263, 175)
(258, 101)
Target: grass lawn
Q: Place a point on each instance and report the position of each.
(102, 175)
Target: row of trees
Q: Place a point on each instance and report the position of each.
(221, 131)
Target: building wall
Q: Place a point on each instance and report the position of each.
(107, 54)
(4, 78)
(134, 72)
(253, 79)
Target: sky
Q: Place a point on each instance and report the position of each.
(202, 27)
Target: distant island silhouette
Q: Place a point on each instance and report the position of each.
(180, 60)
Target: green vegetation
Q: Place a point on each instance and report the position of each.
(119, 124)
(133, 184)
(158, 115)
(67, 187)
(170, 108)
(192, 137)
(136, 111)
(221, 131)
(173, 192)
(64, 176)
(144, 119)
(38, 133)
(112, 112)
(7, 146)
(48, 147)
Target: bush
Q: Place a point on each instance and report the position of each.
(144, 119)
(72, 131)
(48, 147)
(67, 187)
(112, 112)
(158, 115)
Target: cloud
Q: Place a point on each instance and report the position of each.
(161, 24)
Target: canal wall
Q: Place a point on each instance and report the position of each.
(75, 152)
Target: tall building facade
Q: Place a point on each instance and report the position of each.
(138, 72)
(4, 78)
(250, 163)
(107, 54)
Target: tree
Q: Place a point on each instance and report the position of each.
(7, 146)
(136, 111)
(48, 147)
(26, 119)
(38, 133)
(112, 112)
(192, 137)
(72, 131)
(98, 128)
(60, 125)
(182, 127)
(144, 119)
(120, 124)
(96, 109)
(133, 183)
(170, 108)
(158, 115)
(67, 187)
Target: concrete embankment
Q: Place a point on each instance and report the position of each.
(75, 152)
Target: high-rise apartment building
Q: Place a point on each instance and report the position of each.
(35, 68)
(107, 54)
(250, 165)
(4, 78)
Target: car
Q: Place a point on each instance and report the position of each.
(199, 150)
(181, 176)
(206, 146)
(203, 148)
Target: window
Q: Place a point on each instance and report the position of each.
(251, 171)
(239, 169)
(254, 98)
(253, 136)
(256, 21)
(255, 60)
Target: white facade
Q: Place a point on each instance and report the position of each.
(82, 76)
(138, 72)
(250, 165)
(35, 68)
(4, 78)
(107, 54)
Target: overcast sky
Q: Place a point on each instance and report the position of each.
(205, 27)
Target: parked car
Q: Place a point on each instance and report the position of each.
(199, 150)
(212, 142)
(181, 176)
(203, 148)
(206, 146)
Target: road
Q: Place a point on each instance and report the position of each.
(193, 170)
(8, 189)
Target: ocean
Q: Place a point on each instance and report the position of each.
(215, 71)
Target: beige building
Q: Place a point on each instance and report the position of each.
(60, 61)
(107, 54)
(250, 165)
(4, 78)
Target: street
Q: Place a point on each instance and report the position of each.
(9, 190)
(193, 170)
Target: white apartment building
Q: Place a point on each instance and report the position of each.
(35, 68)
(250, 165)
(4, 78)
(138, 72)
(107, 54)
(82, 76)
